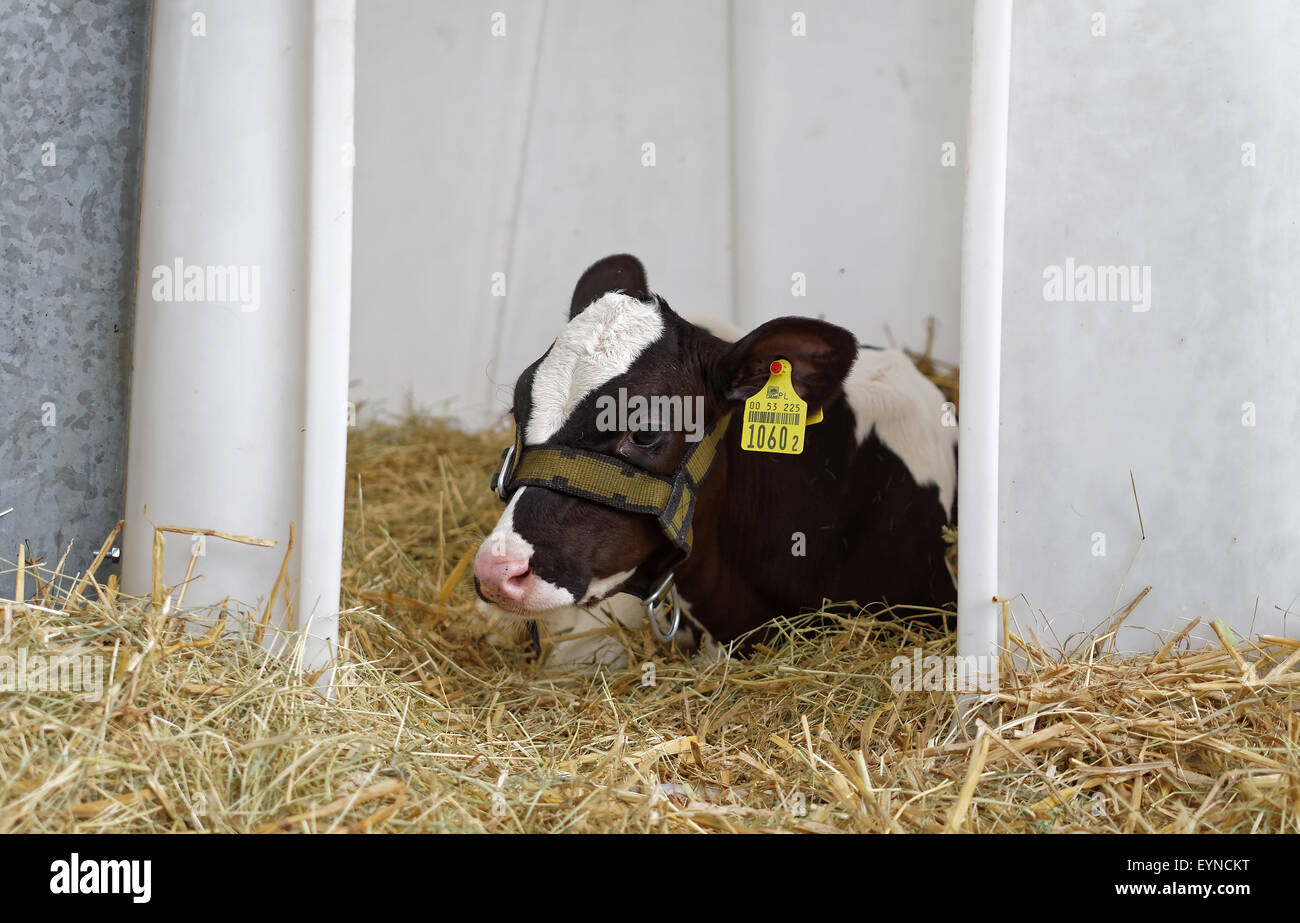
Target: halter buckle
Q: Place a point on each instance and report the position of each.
(499, 482)
(665, 588)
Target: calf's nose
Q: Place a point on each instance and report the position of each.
(503, 576)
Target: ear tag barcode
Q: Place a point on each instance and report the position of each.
(775, 417)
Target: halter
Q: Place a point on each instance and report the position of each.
(612, 482)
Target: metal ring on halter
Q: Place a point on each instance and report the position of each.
(499, 487)
(652, 603)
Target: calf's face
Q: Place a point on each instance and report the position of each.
(551, 549)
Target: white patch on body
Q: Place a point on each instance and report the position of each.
(885, 390)
(601, 647)
(582, 637)
(504, 542)
(599, 344)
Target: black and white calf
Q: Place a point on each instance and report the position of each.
(857, 516)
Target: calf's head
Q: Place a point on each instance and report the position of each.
(629, 379)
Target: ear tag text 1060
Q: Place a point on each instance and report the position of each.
(775, 417)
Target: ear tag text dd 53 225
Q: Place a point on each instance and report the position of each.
(775, 416)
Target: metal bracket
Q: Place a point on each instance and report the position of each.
(666, 588)
(499, 482)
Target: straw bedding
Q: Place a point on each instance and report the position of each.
(444, 721)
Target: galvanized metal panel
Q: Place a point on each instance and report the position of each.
(71, 103)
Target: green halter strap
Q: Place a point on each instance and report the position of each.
(612, 482)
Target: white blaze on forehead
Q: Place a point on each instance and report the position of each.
(599, 344)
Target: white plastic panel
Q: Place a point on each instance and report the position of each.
(1126, 150)
(237, 403)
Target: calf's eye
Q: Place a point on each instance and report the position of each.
(645, 438)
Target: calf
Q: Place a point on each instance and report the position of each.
(594, 509)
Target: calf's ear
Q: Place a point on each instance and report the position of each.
(619, 273)
(821, 355)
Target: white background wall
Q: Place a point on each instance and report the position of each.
(1127, 149)
(522, 154)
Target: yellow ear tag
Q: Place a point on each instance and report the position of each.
(775, 417)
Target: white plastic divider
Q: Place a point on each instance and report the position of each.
(981, 335)
(329, 319)
(242, 310)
